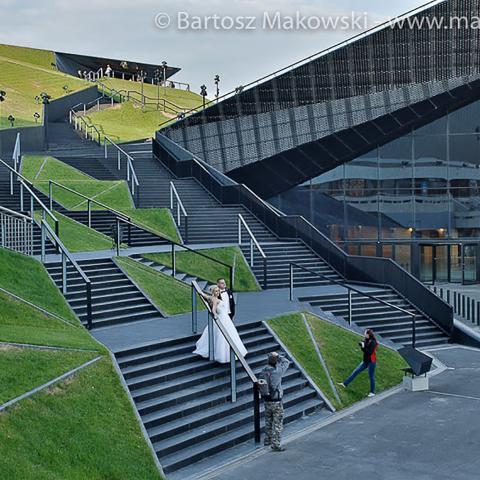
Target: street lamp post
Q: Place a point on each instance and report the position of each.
(142, 79)
(3, 94)
(164, 68)
(157, 79)
(45, 101)
(216, 79)
(203, 93)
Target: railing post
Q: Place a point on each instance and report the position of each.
(194, 310)
(350, 313)
(467, 299)
(88, 287)
(186, 230)
(256, 412)
(233, 376)
(118, 237)
(89, 212)
(50, 194)
(455, 302)
(478, 313)
(64, 273)
(129, 231)
(42, 254)
(171, 196)
(232, 279)
(211, 343)
(265, 279)
(105, 148)
(448, 297)
(463, 306)
(414, 330)
(291, 282)
(178, 214)
(251, 252)
(174, 260)
(11, 182)
(118, 160)
(21, 198)
(239, 230)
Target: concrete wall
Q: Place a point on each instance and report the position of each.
(32, 139)
(58, 108)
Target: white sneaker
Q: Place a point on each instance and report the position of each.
(370, 395)
(341, 384)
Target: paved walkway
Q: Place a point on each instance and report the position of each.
(251, 306)
(423, 436)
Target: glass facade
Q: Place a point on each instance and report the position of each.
(421, 189)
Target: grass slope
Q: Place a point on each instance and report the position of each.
(28, 279)
(114, 194)
(193, 264)
(127, 121)
(169, 295)
(24, 75)
(78, 237)
(81, 428)
(340, 350)
(38, 367)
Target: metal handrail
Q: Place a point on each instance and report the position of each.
(17, 214)
(310, 58)
(74, 117)
(351, 289)
(180, 208)
(66, 255)
(234, 354)
(253, 241)
(130, 170)
(28, 185)
(121, 217)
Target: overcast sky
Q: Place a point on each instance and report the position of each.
(127, 29)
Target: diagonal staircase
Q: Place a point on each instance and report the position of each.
(115, 299)
(390, 323)
(184, 400)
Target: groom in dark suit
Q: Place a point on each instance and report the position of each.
(227, 294)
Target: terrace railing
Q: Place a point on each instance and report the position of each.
(178, 209)
(350, 289)
(65, 258)
(16, 231)
(235, 354)
(373, 270)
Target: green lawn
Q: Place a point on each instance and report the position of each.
(171, 296)
(78, 237)
(82, 428)
(199, 266)
(127, 121)
(38, 367)
(159, 220)
(114, 194)
(27, 278)
(342, 354)
(24, 74)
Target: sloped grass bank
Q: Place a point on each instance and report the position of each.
(196, 265)
(114, 194)
(169, 295)
(341, 353)
(82, 427)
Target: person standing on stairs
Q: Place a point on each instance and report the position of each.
(227, 296)
(221, 348)
(369, 347)
(272, 393)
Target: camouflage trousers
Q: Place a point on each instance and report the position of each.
(273, 423)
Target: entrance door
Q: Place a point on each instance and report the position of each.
(434, 263)
(469, 262)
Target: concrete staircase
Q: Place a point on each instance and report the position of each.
(390, 323)
(115, 299)
(179, 275)
(184, 400)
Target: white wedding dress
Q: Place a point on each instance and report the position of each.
(221, 346)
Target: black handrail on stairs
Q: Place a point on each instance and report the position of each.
(353, 268)
(234, 355)
(351, 289)
(125, 219)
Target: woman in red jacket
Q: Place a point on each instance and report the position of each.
(369, 348)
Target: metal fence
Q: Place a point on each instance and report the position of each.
(464, 306)
(16, 231)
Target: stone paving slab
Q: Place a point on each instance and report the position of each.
(422, 436)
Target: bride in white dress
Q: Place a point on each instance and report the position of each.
(220, 310)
